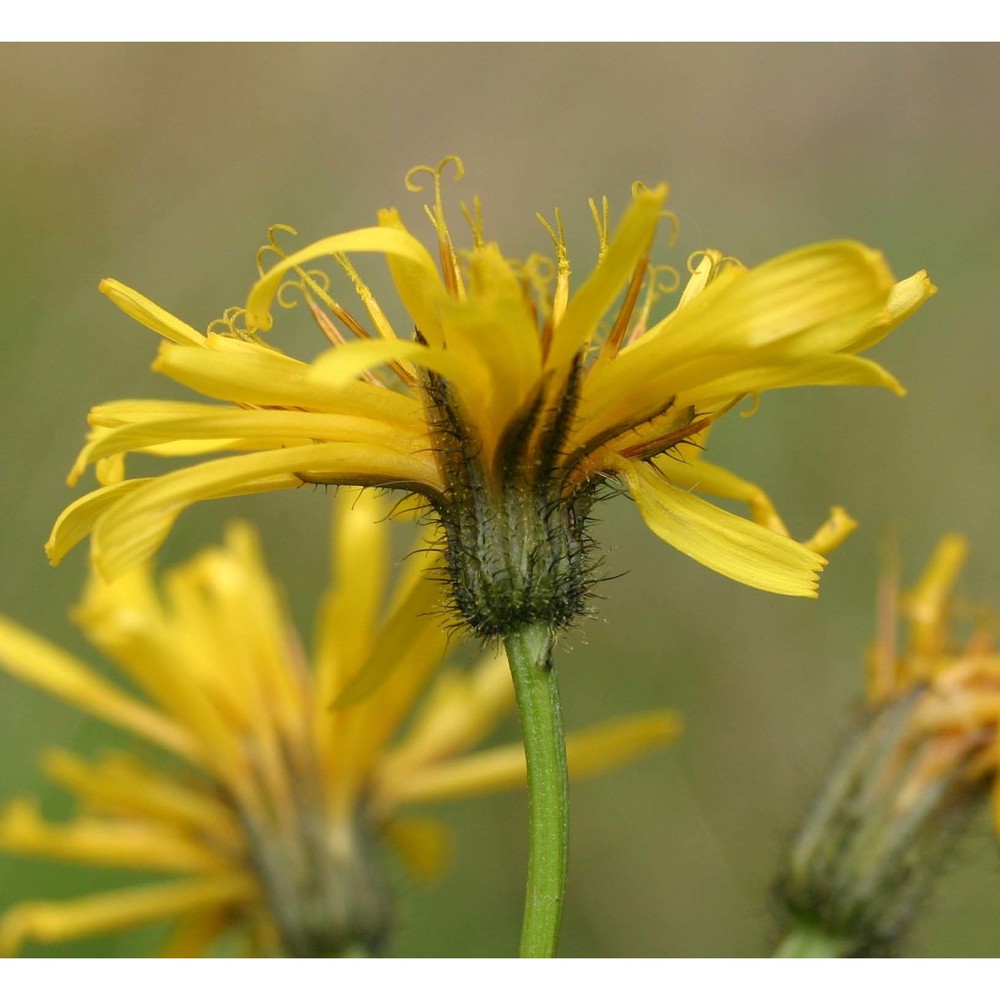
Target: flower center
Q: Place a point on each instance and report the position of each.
(323, 885)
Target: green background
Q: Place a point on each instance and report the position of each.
(162, 165)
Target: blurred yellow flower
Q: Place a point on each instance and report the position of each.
(918, 766)
(274, 823)
(955, 678)
(510, 407)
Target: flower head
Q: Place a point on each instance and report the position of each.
(916, 768)
(508, 402)
(288, 782)
(951, 674)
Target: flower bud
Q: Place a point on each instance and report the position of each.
(912, 774)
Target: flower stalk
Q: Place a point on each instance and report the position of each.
(529, 654)
(806, 940)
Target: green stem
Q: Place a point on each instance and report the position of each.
(528, 651)
(811, 941)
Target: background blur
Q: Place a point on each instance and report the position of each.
(163, 165)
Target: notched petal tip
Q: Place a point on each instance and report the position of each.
(722, 541)
(909, 294)
(655, 196)
(929, 288)
(389, 217)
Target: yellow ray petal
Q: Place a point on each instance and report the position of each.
(395, 243)
(459, 711)
(273, 380)
(501, 335)
(337, 367)
(32, 659)
(424, 845)
(717, 379)
(408, 648)
(792, 293)
(600, 748)
(926, 604)
(110, 470)
(114, 843)
(906, 297)
(240, 621)
(462, 709)
(122, 785)
(149, 314)
(588, 752)
(476, 774)
(348, 613)
(78, 519)
(228, 427)
(158, 646)
(694, 473)
(597, 294)
(197, 446)
(713, 382)
(261, 377)
(830, 369)
(496, 303)
(194, 937)
(728, 544)
(135, 528)
(710, 264)
(395, 641)
(838, 287)
(51, 923)
(417, 283)
(119, 412)
(909, 295)
(697, 474)
(719, 482)
(837, 527)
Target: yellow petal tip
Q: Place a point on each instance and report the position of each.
(927, 287)
(656, 194)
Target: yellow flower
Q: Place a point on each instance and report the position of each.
(288, 779)
(918, 766)
(510, 407)
(954, 678)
